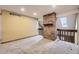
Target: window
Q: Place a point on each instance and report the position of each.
(63, 21)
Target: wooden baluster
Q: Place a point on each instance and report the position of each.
(60, 35)
(73, 37)
(64, 35)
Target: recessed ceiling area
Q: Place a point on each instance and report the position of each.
(38, 10)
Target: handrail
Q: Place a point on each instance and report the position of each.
(67, 34)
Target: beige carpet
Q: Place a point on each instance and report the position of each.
(38, 45)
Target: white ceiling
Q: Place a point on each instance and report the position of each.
(39, 9)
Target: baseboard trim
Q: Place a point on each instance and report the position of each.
(17, 39)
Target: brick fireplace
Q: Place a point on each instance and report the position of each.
(49, 22)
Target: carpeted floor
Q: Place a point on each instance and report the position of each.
(38, 45)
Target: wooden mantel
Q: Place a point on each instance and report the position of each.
(49, 22)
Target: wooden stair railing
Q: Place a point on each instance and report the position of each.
(66, 35)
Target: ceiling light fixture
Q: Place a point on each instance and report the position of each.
(22, 9)
(35, 14)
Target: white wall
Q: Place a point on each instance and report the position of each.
(41, 22)
(70, 22)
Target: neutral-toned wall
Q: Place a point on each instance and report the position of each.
(16, 27)
(71, 20)
(0, 27)
(78, 29)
